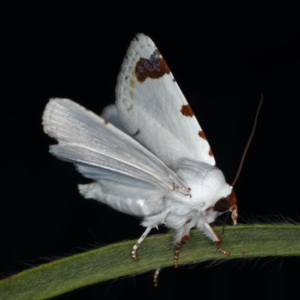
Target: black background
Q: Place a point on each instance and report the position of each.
(221, 69)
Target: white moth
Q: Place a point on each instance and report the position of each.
(147, 154)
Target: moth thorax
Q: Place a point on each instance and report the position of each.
(207, 182)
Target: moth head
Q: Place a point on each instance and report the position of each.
(228, 204)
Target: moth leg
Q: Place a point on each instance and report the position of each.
(234, 214)
(155, 277)
(210, 232)
(139, 241)
(183, 240)
(233, 207)
(184, 233)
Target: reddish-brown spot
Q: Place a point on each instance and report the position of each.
(210, 152)
(105, 122)
(154, 67)
(186, 110)
(202, 135)
(137, 244)
(135, 258)
(174, 80)
(183, 240)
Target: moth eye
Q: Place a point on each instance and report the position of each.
(222, 205)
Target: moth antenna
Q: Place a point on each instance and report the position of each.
(248, 143)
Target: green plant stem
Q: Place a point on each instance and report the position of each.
(113, 261)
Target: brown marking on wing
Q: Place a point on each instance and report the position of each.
(154, 67)
(105, 122)
(131, 95)
(202, 135)
(131, 83)
(186, 110)
(137, 132)
(210, 153)
(130, 107)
